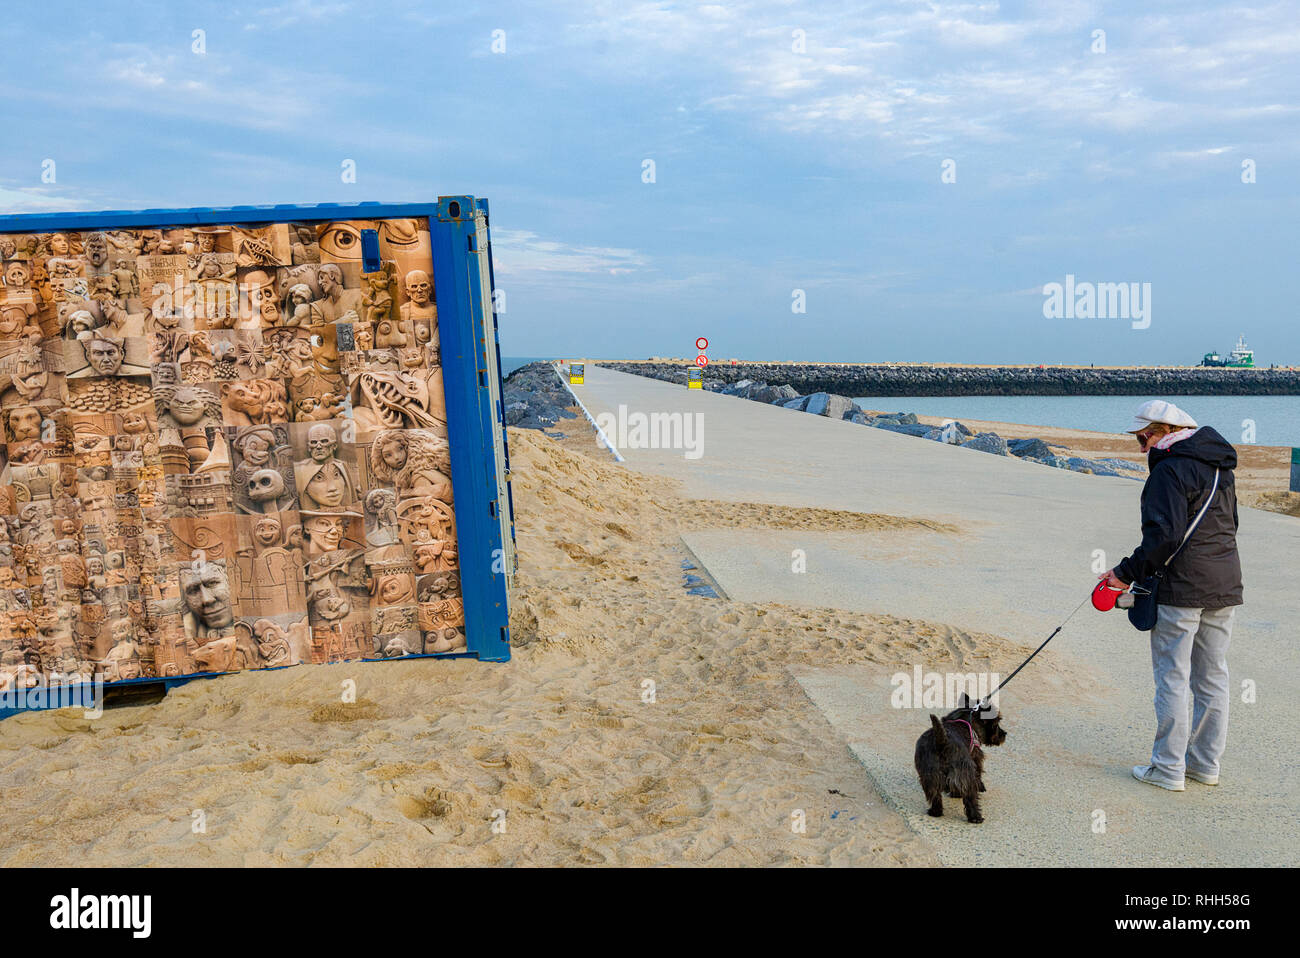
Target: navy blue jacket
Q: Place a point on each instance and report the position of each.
(1207, 573)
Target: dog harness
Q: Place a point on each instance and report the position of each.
(974, 745)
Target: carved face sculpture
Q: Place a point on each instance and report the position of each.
(207, 595)
(59, 245)
(17, 275)
(327, 486)
(135, 422)
(187, 406)
(13, 318)
(260, 286)
(122, 631)
(321, 442)
(411, 357)
(63, 268)
(266, 485)
(393, 450)
(105, 356)
(324, 533)
(246, 398)
(325, 348)
(94, 566)
(81, 321)
(255, 447)
(25, 423)
(209, 267)
(418, 287)
(330, 278)
(380, 500)
(389, 333)
(97, 249)
(266, 532)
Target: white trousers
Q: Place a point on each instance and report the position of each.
(1189, 657)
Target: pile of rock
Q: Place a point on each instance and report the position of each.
(535, 397)
(951, 433)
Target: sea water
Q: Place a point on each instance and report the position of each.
(510, 363)
(1275, 419)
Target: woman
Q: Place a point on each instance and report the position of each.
(1198, 595)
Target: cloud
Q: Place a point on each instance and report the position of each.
(28, 200)
(523, 253)
(913, 77)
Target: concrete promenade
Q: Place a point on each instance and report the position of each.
(1021, 562)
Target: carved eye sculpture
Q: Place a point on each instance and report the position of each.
(342, 240)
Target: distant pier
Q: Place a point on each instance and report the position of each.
(888, 379)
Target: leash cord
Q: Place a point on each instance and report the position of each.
(1036, 651)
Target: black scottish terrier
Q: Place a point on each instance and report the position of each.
(949, 757)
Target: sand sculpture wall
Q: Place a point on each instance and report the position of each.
(223, 448)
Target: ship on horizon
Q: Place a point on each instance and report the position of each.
(1241, 357)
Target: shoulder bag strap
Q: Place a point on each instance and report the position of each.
(1197, 521)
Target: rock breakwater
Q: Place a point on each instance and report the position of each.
(922, 380)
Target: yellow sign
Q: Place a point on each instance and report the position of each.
(576, 374)
(695, 378)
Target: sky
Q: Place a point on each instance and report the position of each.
(920, 171)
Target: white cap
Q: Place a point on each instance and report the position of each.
(1157, 410)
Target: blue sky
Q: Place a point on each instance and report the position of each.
(775, 169)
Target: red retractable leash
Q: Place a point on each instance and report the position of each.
(1103, 599)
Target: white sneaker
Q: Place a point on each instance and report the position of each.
(1205, 778)
(1147, 773)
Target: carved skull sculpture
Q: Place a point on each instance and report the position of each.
(265, 485)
